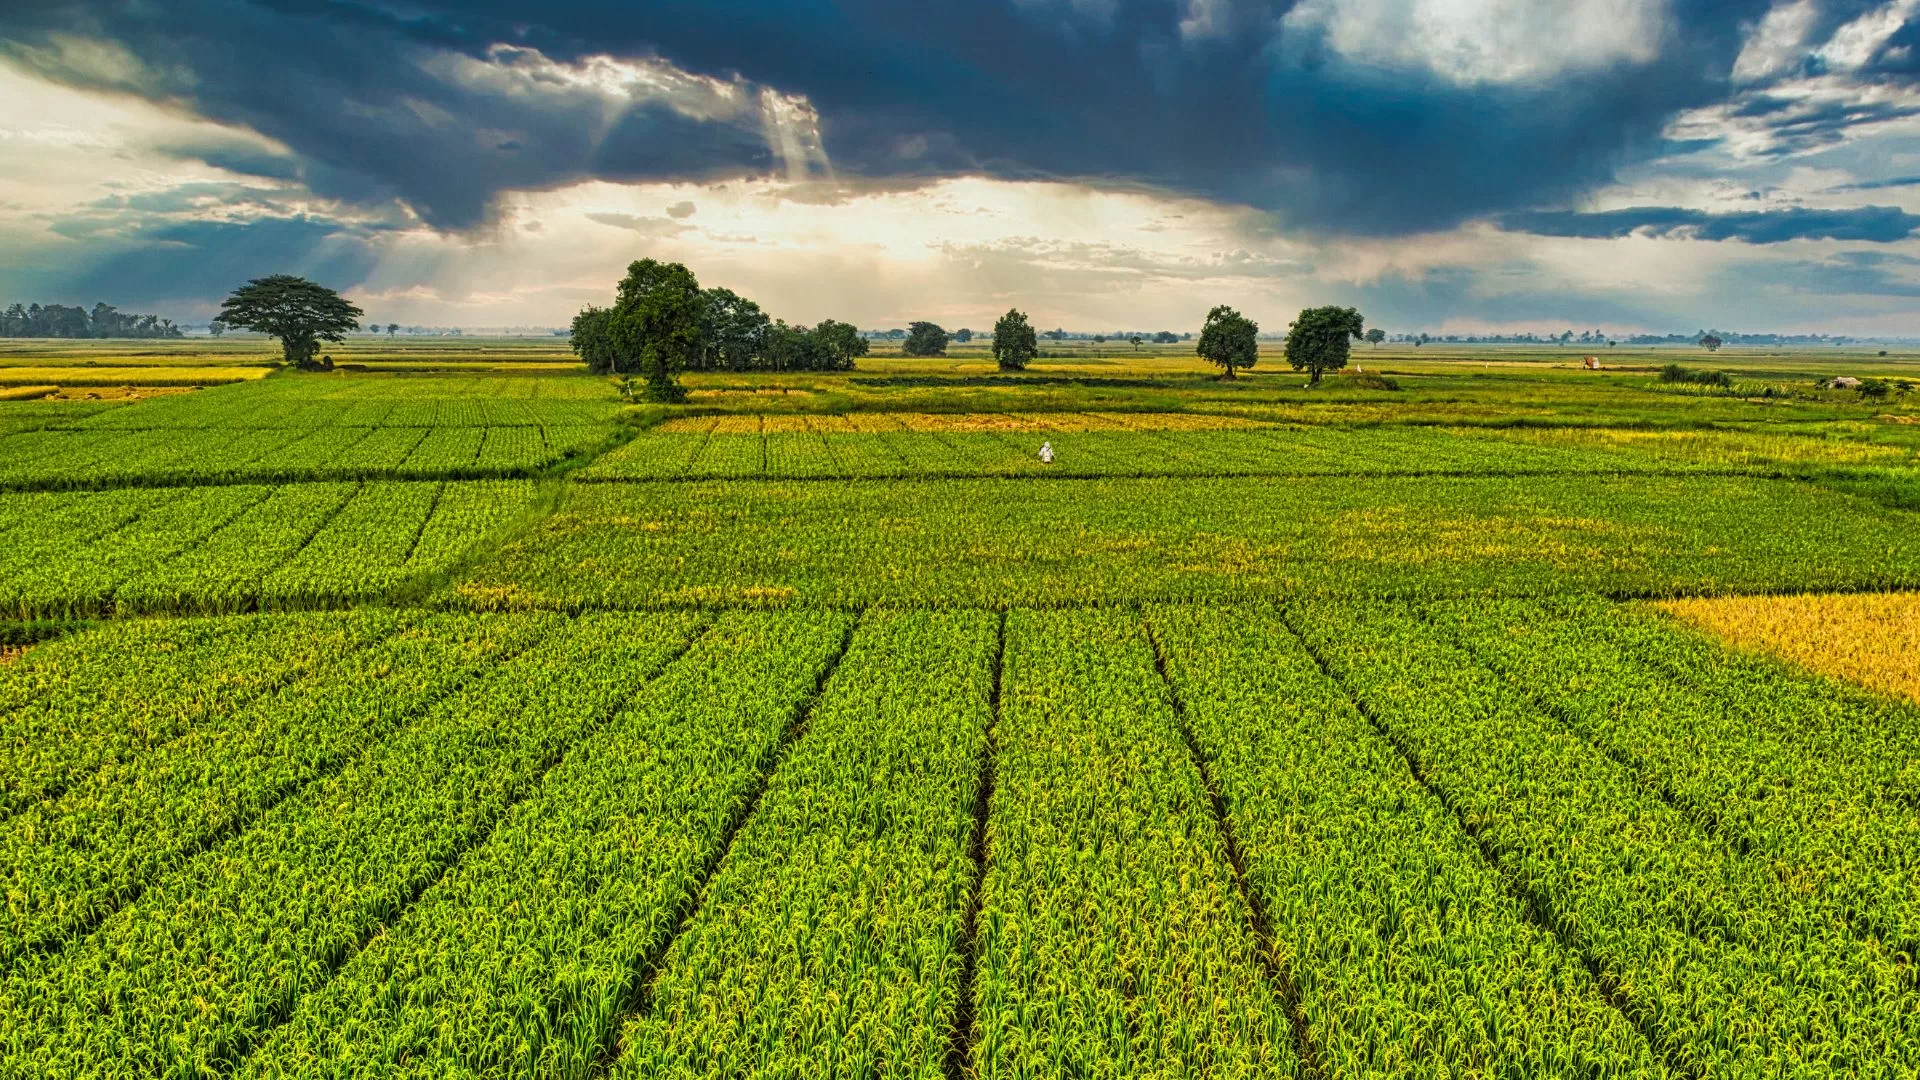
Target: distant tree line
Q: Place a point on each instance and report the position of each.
(964, 335)
(1600, 337)
(61, 321)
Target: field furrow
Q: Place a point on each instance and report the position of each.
(827, 945)
(1113, 942)
(72, 860)
(1819, 785)
(117, 690)
(520, 962)
(217, 953)
(1730, 971)
(1408, 953)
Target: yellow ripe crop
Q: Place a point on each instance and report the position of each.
(1072, 422)
(129, 376)
(738, 425)
(1720, 449)
(1867, 638)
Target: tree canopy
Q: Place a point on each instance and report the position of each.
(925, 339)
(830, 346)
(1229, 340)
(1014, 342)
(733, 331)
(300, 313)
(728, 332)
(592, 340)
(1321, 339)
(656, 322)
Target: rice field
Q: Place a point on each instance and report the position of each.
(472, 722)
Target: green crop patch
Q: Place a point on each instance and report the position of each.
(1408, 950)
(226, 549)
(1100, 829)
(522, 961)
(1017, 542)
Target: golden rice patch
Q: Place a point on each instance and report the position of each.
(1175, 421)
(1069, 422)
(830, 425)
(738, 425)
(1872, 639)
(1728, 448)
(870, 423)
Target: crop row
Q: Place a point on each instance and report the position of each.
(1112, 940)
(1012, 542)
(829, 942)
(1729, 970)
(214, 954)
(75, 706)
(1820, 784)
(231, 548)
(75, 858)
(1080, 449)
(522, 960)
(59, 459)
(1409, 954)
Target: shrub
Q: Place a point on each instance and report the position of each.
(1674, 373)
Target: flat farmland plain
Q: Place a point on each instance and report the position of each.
(459, 722)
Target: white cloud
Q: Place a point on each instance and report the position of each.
(1472, 42)
(1205, 19)
(1854, 45)
(1778, 43)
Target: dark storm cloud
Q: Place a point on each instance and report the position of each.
(1880, 185)
(1859, 277)
(184, 263)
(370, 112)
(1238, 109)
(1872, 224)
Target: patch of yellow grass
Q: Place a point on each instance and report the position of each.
(1728, 448)
(738, 425)
(1175, 421)
(128, 376)
(1868, 638)
(869, 423)
(961, 423)
(830, 425)
(23, 393)
(685, 425)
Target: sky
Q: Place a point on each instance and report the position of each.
(1446, 166)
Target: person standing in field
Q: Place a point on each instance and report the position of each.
(1046, 453)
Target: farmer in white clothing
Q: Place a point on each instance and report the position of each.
(1046, 453)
